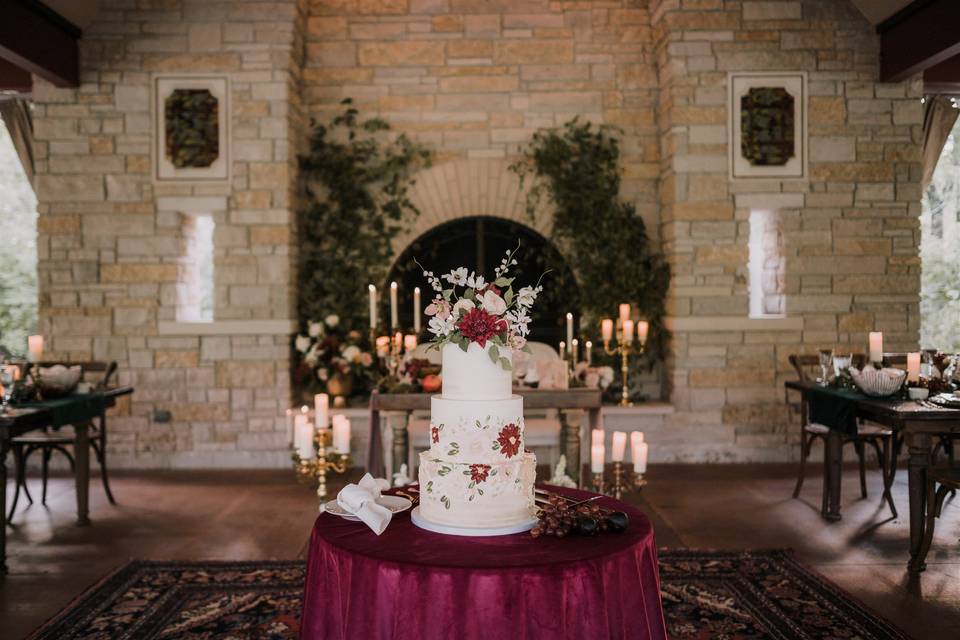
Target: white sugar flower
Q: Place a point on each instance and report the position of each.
(493, 304)
(332, 320)
(476, 281)
(457, 277)
(462, 305)
(441, 326)
(527, 296)
(302, 343)
(519, 320)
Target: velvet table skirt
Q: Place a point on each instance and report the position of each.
(413, 584)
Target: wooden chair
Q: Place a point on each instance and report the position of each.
(51, 440)
(941, 481)
(880, 438)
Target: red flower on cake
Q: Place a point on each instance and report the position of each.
(435, 434)
(479, 472)
(479, 326)
(509, 439)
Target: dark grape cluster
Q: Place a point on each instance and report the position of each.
(559, 518)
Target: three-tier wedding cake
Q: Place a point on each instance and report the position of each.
(477, 473)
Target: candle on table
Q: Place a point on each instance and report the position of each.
(341, 434)
(321, 410)
(638, 450)
(409, 342)
(373, 306)
(636, 438)
(416, 310)
(303, 435)
(290, 423)
(913, 366)
(589, 356)
(627, 331)
(596, 436)
(597, 454)
(606, 329)
(563, 350)
(569, 328)
(383, 346)
(876, 346)
(393, 305)
(397, 340)
(574, 350)
(624, 312)
(619, 445)
(643, 328)
(35, 348)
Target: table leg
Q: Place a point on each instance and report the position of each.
(4, 449)
(82, 461)
(918, 444)
(400, 442)
(833, 470)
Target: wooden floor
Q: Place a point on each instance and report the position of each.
(254, 515)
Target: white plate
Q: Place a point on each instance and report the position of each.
(395, 504)
(521, 527)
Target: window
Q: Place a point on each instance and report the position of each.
(18, 250)
(195, 298)
(767, 266)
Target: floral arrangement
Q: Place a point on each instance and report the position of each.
(335, 360)
(484, 312)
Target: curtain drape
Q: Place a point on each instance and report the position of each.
(15, 113)
(939, 117)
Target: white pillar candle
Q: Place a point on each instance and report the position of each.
(373, 306)
(35, 348)
(383, 346)
(619, 445)
(624, 312)
(575, 350)
(416, 310)
(393, 305)
(569, 328)
(876, 346)
(409, 342)
(643, 328)
(913, 366)
(563, 350)
(341, 434)
(639, 453)
(321, 410)
(596, 436)
(589, 356)
(627, 331)
(597, 454)
(303, 436)
(606, 329)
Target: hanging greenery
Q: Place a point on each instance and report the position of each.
(605, 241)
(356, 178)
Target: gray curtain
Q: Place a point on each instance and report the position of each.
(939, 117)
(15, 113)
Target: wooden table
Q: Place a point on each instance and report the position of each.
(918, 423)
(18, 422)
(579, 398)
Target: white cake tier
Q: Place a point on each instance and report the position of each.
(486, 431)
(471, 375)
(477, 495)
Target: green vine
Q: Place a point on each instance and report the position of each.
(356, 179)
(606, 242)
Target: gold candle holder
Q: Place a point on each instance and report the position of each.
(598, 483)
(624, 479)
(308, 470)
(624, 350)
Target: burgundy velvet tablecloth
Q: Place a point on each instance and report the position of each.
(413, 584)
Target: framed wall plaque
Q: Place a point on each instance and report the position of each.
(191, 128)
(768, 125)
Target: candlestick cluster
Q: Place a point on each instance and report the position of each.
(392, 347)
(626, 330)
(321, 445)
(622, 478)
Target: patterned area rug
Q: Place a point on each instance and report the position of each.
(712, 595)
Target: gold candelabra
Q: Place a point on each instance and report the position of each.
(624, 349)
(317, 468)
(623, 479)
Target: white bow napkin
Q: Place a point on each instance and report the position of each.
(360, 500)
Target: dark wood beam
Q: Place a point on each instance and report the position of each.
(13, 78)
(39, 41)
(923, 34)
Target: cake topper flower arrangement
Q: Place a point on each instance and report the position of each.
(490, 314)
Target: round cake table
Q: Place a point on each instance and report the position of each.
(409, 583)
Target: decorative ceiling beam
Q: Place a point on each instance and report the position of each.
(39, 41)
(943, 77)
(13, 78)
(919, 36)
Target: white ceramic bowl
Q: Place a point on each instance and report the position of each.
(878, 382)
(918, 393)
(59, 380)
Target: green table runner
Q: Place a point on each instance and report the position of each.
(834, 408)
(71, 409)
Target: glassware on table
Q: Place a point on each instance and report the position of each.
(826, 359)
(841, 362)
(7, 379)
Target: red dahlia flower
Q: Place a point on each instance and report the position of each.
(435, 434)
(479, 326)
(509, 439)
(479, 472)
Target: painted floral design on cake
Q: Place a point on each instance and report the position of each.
(479, 472)
(435, 433)
(508, 440)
